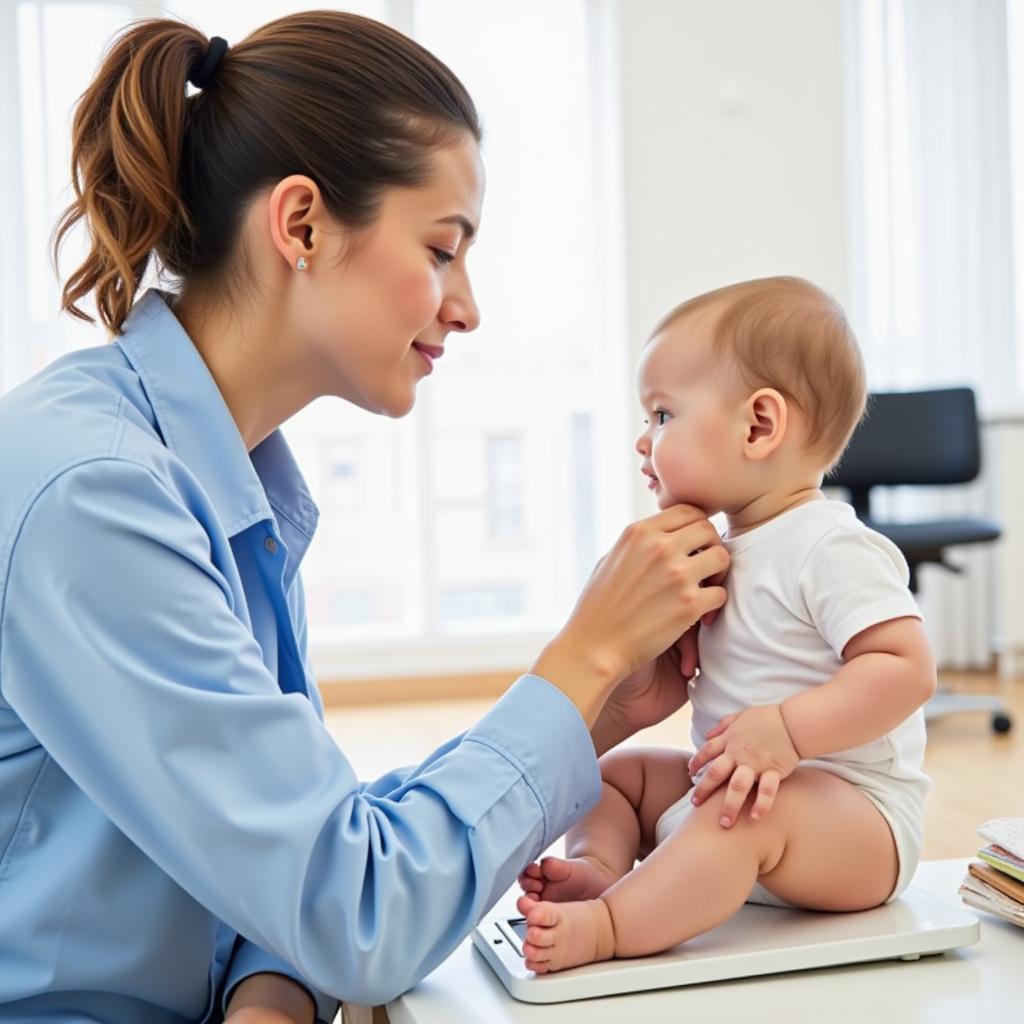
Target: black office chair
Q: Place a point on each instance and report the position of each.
(925, 438)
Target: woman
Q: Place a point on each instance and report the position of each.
(180, 838)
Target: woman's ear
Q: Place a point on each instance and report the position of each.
(766, 420)
(296, 207)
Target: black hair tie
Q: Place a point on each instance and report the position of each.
(201, 75)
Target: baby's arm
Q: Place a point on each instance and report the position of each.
(889, 672)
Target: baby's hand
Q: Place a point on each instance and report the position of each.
(751, 747)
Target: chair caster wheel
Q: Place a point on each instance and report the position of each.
(1001, 723)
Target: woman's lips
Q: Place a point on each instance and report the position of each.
(429, 353)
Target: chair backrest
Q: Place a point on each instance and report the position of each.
(913, 437)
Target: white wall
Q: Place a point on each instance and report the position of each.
(732, 130)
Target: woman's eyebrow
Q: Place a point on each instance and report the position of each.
(456, 218)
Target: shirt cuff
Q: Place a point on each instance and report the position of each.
(541, 732)
(249, 959)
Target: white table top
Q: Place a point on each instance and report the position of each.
(979, 982)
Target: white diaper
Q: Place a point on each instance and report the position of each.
(902, 813)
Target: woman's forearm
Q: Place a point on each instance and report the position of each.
(581, 672)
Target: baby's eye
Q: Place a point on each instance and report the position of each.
(661, 417)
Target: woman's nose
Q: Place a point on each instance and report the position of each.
(460, 313)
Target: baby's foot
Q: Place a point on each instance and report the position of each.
(579, 878)
(563, 935)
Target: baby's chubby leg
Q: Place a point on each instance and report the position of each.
(824, 846)
(639, 785)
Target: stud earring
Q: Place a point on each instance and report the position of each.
(302, 264)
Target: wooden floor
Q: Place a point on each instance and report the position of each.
(976, 774)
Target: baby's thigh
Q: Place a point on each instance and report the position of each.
(838, 850)
(652, 779)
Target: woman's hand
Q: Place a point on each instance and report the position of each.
(751, 747)
(641, 599)
(649, 695)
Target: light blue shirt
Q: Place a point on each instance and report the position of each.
(174, 816)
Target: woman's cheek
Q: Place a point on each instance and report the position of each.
(420, 298)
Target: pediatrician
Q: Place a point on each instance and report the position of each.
(180, 837)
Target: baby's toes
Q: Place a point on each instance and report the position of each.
(527, 902)
(541, 938)
(533, 871)
(555, 869)
(541, 915)
(538, 960)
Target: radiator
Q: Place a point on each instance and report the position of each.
(1004, 451)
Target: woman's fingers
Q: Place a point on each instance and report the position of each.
(689, 655)
(677, 517)
(696, 537)
(641, 597)
(717, 580)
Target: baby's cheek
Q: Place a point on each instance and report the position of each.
(687, 473)
(673, 454)
(675, 476)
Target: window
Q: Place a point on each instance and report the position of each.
(480, 513)
(504, 488)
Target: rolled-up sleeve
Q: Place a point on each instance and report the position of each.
(121, 651)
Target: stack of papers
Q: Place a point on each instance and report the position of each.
(996, 885)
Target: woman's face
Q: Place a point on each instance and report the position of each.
(375, 307)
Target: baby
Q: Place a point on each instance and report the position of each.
(807, 788)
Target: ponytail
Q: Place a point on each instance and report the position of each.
(126, 144)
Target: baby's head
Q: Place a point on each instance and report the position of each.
(747, 389)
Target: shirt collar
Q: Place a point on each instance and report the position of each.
(198, 427)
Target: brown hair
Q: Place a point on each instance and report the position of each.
(352, 103)
(788, 334)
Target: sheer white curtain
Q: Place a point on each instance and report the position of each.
(932, 267)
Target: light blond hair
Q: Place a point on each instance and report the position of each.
(788, 334)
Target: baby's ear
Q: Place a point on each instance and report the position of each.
(766, 419)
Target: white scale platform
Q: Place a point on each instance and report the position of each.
(755, 941)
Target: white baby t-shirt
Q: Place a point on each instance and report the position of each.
(800, 588)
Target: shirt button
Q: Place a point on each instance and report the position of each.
(271, 545)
